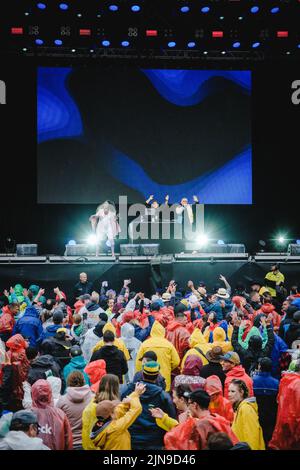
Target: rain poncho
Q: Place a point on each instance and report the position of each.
(254, 331)
(197, 344)
(190, 373)
(77, 363)
(54, 427)
(238, 372)
(246, 424)
(178, 335)
(218, 404)
(219, 337)
(20, 363)
(286, 435)
(95, 370)
(167, 356)
(30, 327)
(132, 344)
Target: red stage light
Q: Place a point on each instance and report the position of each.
(17, 31)
(85, 32)
(151, 32)
(217, 34)
(282, 34)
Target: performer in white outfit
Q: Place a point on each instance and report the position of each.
(105, 225)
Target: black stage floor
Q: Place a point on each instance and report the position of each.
(146, 272)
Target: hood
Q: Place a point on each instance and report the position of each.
(192, 365)
(173, 325)
(257, 320)
(253, 332)
(197, 338)
(16, 343)
(34, 289)
(78, 394)
(296, 303)
(92, 307)
(127, 331)
(78, 362)
(267, 308)
(151, 391)
(18, 289)
(43, 361)
(237, 300)
(250, 402)
(55, 383)
(18, 440)
(157, 330)
(41, 393)
(96, 370)
(109, 327)
(31, 312)
(109, 351)
(290, 311)
(98, 330)
(130, 306)
(213, 385)
(237, 371)
(52, 328)
(219, 334)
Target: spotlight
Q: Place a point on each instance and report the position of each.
(39, 42)
(135, 8)
(255, 45)
(58, 42)
(281, 240)
(254, 9)
(106, 43)
(171, 44)
(202, 239)
(191, 44)
(220, 242)
(275, 10)
(72, 242)
(223, 52)
(64, 6)
(113, 7)
(92, 240)
(185, 9)
(297, 242)
(236, 45)
(125, 43)
(41, 6)
(205, 9)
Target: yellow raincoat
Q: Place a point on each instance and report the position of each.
(117, 342)
(115, 436)
(219, 336)
(246, 425)
(89, 419)
(167, 356)
(197, 340)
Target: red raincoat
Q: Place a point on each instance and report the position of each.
(286, 435)
(7, 320)
(238, 372)
(96, 370)
(179, 336)
(218, 405)
(54, 426)
(267, 309)
(194, 433)
(20, 363)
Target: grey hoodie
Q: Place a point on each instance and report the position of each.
(19, 440)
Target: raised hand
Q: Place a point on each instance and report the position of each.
(140, 388)
(157, 413)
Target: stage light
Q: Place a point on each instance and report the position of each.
(125, 43)
(71, 242)
(58, 42)
(223, 52)
(282, 34)
(64, 6)
(39, 42)
(191, 44)
(185, 9)
(205, 9)
(113, 7)
(217, 34)
(24, 49)
(79, 15)
(236, 45)
(26, 13)
(297, 242)
(255, 45)
(275, 10)
(73, 50)
(17, 31)
(205, 52)
(254, 9)
(92, 240)
(135, 8)
(220, 242)
(106, 43)
(171, 44)
(41, 6)
(221, 18)
(151, 32)
(202, 239)
(281, 239)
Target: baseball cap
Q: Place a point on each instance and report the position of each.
(151, 355)
(76, 351)
(58, 316)
(231, 356)
(166, 297)
(85, 297)
(24, 417)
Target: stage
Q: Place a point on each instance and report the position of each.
(146, 272)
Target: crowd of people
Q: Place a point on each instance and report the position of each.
(186, 369)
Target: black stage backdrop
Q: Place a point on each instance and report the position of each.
(275, 131)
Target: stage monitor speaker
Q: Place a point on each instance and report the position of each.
(236, 248)
(150, 250)
(77, 250)
(294, 249)
(27, 249)
(130, 250)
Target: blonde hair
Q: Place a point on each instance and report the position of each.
(108, 388)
